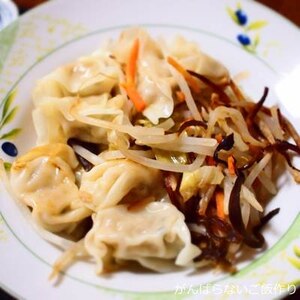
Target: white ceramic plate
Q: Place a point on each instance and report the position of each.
(60, 31)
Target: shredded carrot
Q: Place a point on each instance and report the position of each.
(130, 71)
(219, 138)
(210, 161)
(220, 205)
(187, 76)
(231, 165)
(131, 65)
(180, 96)
(135, 97)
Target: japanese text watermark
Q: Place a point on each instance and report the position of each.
(235, 289)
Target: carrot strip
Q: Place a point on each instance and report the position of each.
(220, 205)
(135, 97)
(187, 76)
(131, 65)
(231, 165)
(130, 72)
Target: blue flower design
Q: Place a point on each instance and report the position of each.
(244, 39)
(241, 17)
(7, 114)
(9, 149)
(249, 38)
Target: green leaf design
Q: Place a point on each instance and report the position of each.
(232, 15)
(256, 41)
(9, 117)
(7, 103)
(250, 49)
(256, 25)
(295, 262)
(297, 251)
(11, 134)
(7, 166)
(7, 38)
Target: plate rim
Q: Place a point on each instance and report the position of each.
(42, 6)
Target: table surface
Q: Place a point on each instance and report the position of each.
(288, 8)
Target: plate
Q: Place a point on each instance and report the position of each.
(258, 42)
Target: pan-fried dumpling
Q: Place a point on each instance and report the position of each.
(154, 82)
(88, 82)
(56, 119)
(113, 181)
(189, 56)
(44, 180)
(90, 75)
(156, 236)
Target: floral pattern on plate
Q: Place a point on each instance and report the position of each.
(249, 36)
(8, 113)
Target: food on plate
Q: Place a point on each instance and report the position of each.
(44, 180)
(148, 152)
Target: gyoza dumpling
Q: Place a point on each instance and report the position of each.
(109, 183)
(156, 236)
(56, 119)
(86, 82)
(88, 76)
(189, 56)
(44, 180)
(154, 81)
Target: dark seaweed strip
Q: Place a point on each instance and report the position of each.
(250, 163)
(214, 242)
(92, 147)
(265, 219)
(211, 249)
(226, 144)
(189, 123)
(257, 107)
(289, 161)
(217, 89)
(288, 127)
(252, 238)
(281, 120)
(282, 147)
(235, 215)
(218, 228)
